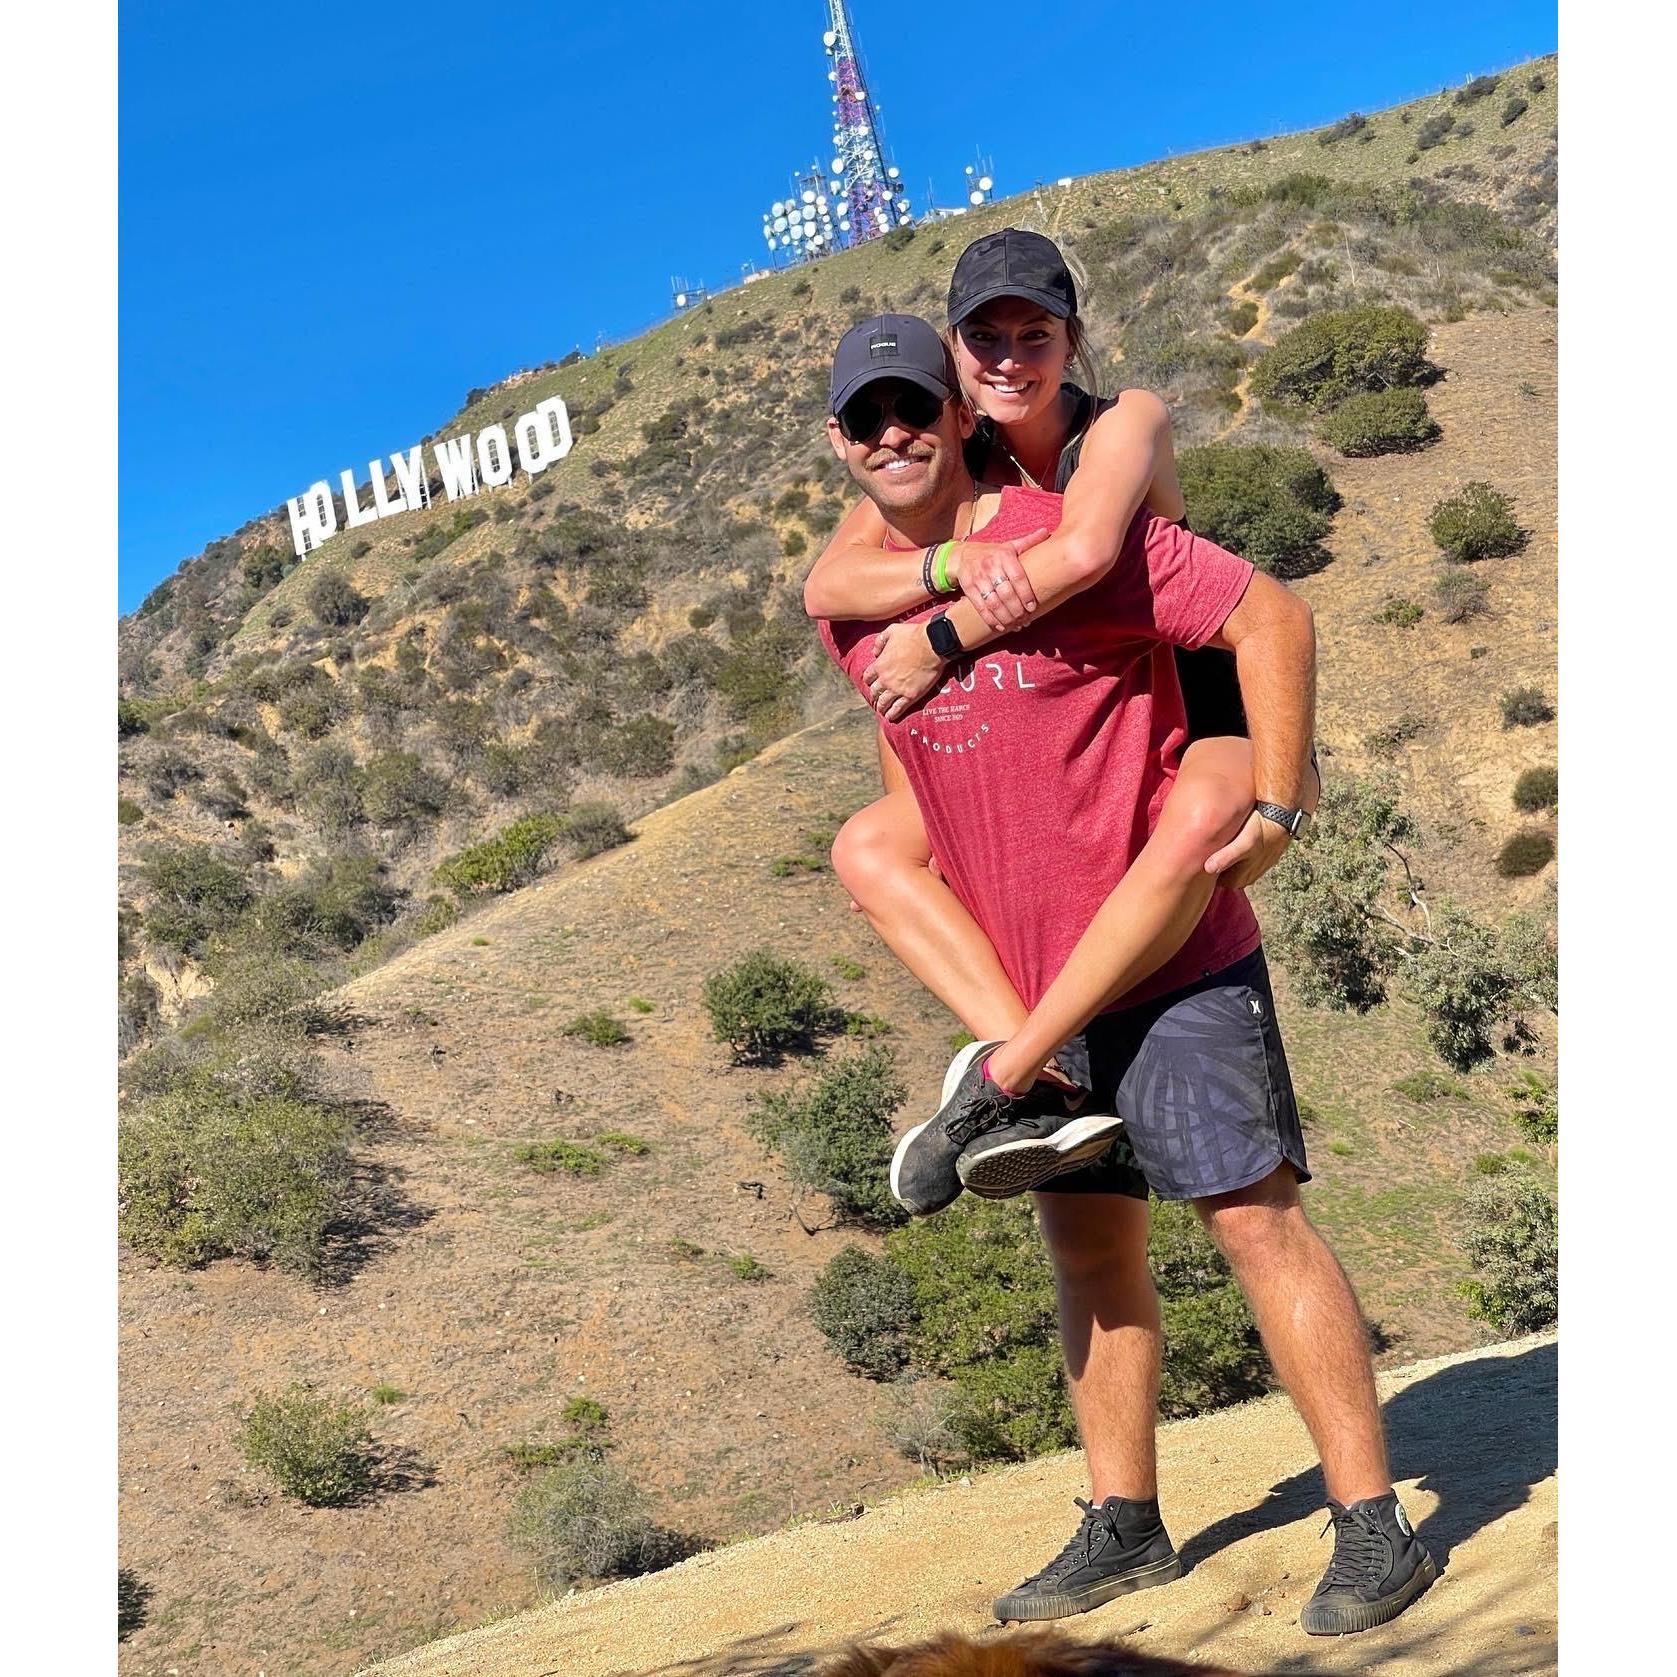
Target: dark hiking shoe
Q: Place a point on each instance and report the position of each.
(924, 1174)
(1377, 1569)
(1059, 1132)
(1120, 1546)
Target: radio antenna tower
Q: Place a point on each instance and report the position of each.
(869, 191)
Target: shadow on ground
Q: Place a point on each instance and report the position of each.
(1478, 1435)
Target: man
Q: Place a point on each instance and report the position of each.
(1040, 767)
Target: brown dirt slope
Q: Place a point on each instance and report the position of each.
(487, 1294)
(1473, 1448)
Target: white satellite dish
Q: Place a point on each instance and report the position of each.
(681, 299)
(809, 197)
(780, 224)
(969, 168)
(829, 37)
(975, 198)
(891, 174)
(838, 165)
(985, 183)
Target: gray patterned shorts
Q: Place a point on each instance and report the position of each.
(1200, 1079)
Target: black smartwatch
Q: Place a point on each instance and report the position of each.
(1294, 820)
(941, 633)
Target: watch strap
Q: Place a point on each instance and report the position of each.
(941, 633)
(1290, 819)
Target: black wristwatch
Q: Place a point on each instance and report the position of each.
(941, 633)
(1294, 820)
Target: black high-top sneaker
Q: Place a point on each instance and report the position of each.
(1378, 1568)
(1119, 1547)
(1048, 1117)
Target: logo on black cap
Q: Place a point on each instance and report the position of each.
(882, 343)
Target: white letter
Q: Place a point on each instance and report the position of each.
(494, 459)
(383, 506)
(313, 519)
(544, 435)
(410, 474)
(454, 464)
(355, 515)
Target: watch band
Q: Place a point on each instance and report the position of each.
(1292, 820)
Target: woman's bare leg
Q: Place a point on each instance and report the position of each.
(883, 858)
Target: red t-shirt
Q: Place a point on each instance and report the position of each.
(1041, 766)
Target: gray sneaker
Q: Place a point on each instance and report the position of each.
(1043, 1132)
(1119, 1547)
(1378, 1568)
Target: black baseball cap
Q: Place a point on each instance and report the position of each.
(890, 346)
(1011, 263)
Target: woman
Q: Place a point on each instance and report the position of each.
(1013, 332)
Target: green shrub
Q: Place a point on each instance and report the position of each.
(1400, 612)
(1525, 854)
(1343, 129)
(1463, 982)
(1433, 131)
(1383, 741)
(1460, 595)
(1340, 353)
(598, 1028)
(168, 772)
(592, 828)
(836, 1135)
(191, 893)
(128, 812)
(315, 1450)
(1275, 270)
(864, 1305)
(1513, 111)
(512, 858)
(588, 1520)
(202, 1174)
(1270, 505)
(137, 1011)
(398, 790)
(1242, 317)
(130, 720)
(384, 1394)
(1379, 422)
(569, 1156)
(1511, 1236)
(335, 600)
(328, 785)
(1538, 83)
(1477, 522)
(331, 906)
(764, 1005)
(1525, 707)
(1481, 87)
(795, 544)
(747, 1268)
(1213, 1355)
(1536, 1109)
(1425, 1087)
(1537, 789)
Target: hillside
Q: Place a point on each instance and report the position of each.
(626, 627)
(1243, 1504)
(483, 1293)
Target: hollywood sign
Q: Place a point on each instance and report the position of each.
(464, 465)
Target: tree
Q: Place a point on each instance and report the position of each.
(1350, 914)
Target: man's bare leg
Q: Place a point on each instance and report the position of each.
(1311, 1325)
(1110, 1332)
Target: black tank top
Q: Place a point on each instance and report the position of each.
(1210, 686)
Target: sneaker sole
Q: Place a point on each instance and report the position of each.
(1023, 1608)
(1348, 1620)
(1017, 1166)
(951, 1081)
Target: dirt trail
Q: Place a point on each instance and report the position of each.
(1473, 1445)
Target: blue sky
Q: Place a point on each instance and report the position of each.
(337, 218)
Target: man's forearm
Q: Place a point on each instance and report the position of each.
(1276, 664)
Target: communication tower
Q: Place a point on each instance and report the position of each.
(867, 188)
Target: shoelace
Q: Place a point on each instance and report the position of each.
(1081, 1549)
(984, 1114)
(1356, 1552)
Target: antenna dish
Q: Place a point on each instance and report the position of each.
(975, 197)
(969, 168)
(892, 173)
(829, 38)
(809, 197)
(985, 183)
(681, 299)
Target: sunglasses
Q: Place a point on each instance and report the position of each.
(864, 416)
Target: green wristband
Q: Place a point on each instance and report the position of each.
(940, 571)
